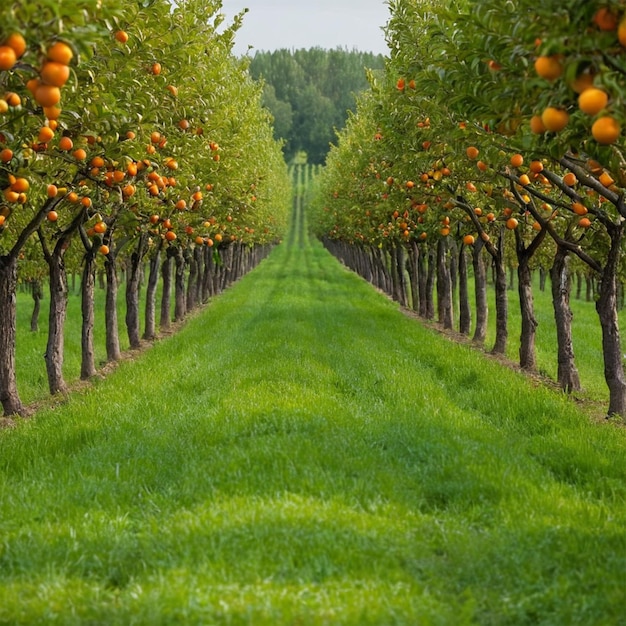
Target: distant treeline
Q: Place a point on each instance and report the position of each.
(309, 93)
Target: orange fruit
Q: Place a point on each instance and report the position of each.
(579, 208)
(60, 52)
(584, 222)
(47, 95)
(524, 180)
(8, 58)
(549, 67)
(86, 202)
(4, 106)
(606, 179)
(21, 185)
(592, 100)
(570, 179)
(104, 249)
(621, 32)
(45, 134)
(472, 152)
(535, 167)
(605, 19)
(13, 99)
(17, 42)
(52, 216)
(170, 235)
(605, 130)
(400, 84)
(156, 69)
(555, 119)
(121, 36)
(52, 113)
(54, 73)
(181, 205)
(52, 191)
(65, 144)
(99, 227)
(6, 155)
(79, 154)
(72, 197)
(536, 125)
(468, 240)
(512, 223)
(517, 160)
(482, 166)
(173, 90)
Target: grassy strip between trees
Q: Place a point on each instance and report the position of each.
(303, 453)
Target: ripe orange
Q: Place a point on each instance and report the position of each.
(8, 58)
(606, 130)
(517, 160)
(173, 90)
(156, 69)
(570, 179)
(99, 227)
(104, 249)
(584, 222)
(60, 52)
(482, 166)
(66, 144)
(79, 154)
(606, 179)
(472, 152)
(583, 81)
(524, 180)
(54, 73)
(621, 32)
(86, 202)
(183, 124)
(605, 19)
(445, 231)
(52, 191)
(52, 216)
(579, 208)
(592, 100)
(21, 185)
(17, 42)
(4, 106)
(554, 119)
(512, 223)
(52, 113)
(468, 240)
(72, 197)
(121, 36)
(170, 235)
(400, 84)
(45, 134)
(13, 99)
(535, 167)
(47, 95)
(181, 205)
(549, 67)
(6, 155)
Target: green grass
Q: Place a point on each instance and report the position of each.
(303, 453)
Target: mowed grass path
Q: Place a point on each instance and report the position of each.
(302, 453)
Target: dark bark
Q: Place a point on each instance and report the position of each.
(180, 301)
(88, 289)
(422, 280)
(606, 306)
(114, 352)
(151, 290)
(37, 294)
(9, 396)
(444, 285)
(166, 279)
(502, 302)
(412, 265)
(567, 373)
(465, 315)
(430, 283)
(480, 293)
(133, 282)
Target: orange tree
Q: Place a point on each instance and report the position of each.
(504, 79)
(150, 125)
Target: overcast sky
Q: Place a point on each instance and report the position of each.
(274, 24)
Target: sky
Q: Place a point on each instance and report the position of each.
(273, 24)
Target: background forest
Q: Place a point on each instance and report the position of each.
(309, 93)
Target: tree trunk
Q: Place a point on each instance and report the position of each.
(413, 256)
(133, 282)
(480, 292)
(37, 293)
(180, 308)
(606, 306)
(465, 314)
(502, 302)
(88, 289)
(166, 278)
(567, 373)
(11, 403)
(151, 290)
(444, 286)
(527, 353)
(430, 283)
(422, 279)
(56, 320)
(110, 311)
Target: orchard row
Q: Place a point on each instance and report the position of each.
(129, 134)
(496, 131)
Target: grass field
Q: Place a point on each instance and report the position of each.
(303, 453)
